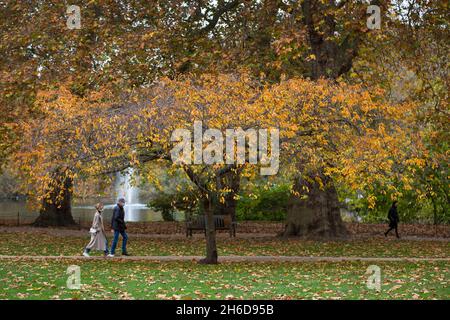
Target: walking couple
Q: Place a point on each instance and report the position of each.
(98, 234)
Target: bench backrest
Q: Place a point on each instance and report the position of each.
(222, 221)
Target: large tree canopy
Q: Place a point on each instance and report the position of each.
(349, 133)
(362, 108)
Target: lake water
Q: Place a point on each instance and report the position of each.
(84, 211)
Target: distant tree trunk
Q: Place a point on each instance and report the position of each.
(317, 214)
(435, 215)
(56, 209)
(231, 181)
(211, 247)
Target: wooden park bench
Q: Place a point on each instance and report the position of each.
(221, 222)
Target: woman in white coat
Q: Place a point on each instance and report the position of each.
(98, 234)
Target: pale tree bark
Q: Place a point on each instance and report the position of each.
(319, 214)
(316, 213)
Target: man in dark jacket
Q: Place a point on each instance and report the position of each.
(393, 219)
(118, 225)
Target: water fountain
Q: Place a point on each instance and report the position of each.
(124, 188)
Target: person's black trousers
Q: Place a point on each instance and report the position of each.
(392, 225)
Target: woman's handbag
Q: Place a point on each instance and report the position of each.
(92, 231)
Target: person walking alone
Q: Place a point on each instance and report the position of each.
(393, 219)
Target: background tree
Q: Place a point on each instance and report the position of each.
(38, 51)
(410, 60)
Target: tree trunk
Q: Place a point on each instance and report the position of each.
(317, 214)
(211, 246)
(56, 209)
(231, 181)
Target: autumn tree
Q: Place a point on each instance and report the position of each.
(131, 46)
(315, 39)
(72, 137)
(350, 134)
(410, 60)
(39, 50)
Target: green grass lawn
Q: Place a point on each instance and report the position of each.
(116, 279)
(42, 244)
(106, 279)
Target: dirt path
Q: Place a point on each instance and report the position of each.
(84, 233)
(230, 258)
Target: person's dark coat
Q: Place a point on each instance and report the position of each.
(118, 219)
(393, 217)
